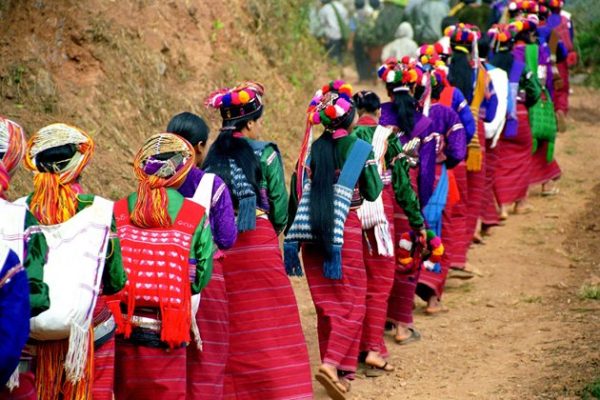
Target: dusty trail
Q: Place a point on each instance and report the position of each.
(518, 331)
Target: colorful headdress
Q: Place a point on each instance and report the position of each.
(523, 6)
(156, 173)
(462, 35)
(329, 106)
(552, 4)
(502, 36)
(399, 74)
(443, 48)
(54, 200)
(12, 150)
(527, 23)
(242, 101)
(428, 56)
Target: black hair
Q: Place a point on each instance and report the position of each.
(375, 4)
(227, 147)
(483, 47)
(56, 158)
(503, 60)
(367, 101)
(436, 91)
(460, 74)
(359, 4)
(449, 21)
(324, 159)
(189, 126)
(404, 106)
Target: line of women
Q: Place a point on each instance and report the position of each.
(179, 290)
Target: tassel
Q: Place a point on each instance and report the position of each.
(385, 244)
(291, 259)
(474, 156)
(76, 358)
(332, 268)
(369, 247)
(176, 326)
(13, 381)
(550, 152)
(246, 219)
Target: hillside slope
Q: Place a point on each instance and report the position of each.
(121, 69)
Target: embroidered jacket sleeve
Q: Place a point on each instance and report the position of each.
(222, 216)
(272, 170)
(460, 105)
(37, 248)
(403, 190)
(202, 252)
(456, 140)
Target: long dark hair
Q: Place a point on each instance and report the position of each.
(503, 60)
(324, 159)
(404, 106)
(189, 126)
(460, 74)
(227, 147)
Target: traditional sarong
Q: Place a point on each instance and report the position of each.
(340, 304)
(402, 296)
(25, 391)
(512, 169)
(541, 171)
(206, 368)
(475, 188)
(104, 371)
(380, 278)
(149, 373)
(489, 214)
(561, 95)
(268, 358)
(456, 242)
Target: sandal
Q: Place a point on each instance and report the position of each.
(552, 192)
(335, 388)
(415, 336)
(374, 371)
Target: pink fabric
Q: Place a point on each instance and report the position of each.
(489, 214)
(149, 373)
(456, 242)
(561, 96)
(206, 368)
(268, 358)
(402, 296)
(512, 168)
(476, 182)
(104, 371)
(340, 304)
(380, 278)
(25, 391)
(542, 171)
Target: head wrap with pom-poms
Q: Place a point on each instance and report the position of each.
(328, 107)
(516, 7)
(399, 74)
(502, 36)
(12, 150)
(238, 102)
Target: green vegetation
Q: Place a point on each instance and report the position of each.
(589, 291)
(592, 391)
(586, 16)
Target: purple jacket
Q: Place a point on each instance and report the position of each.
(222, 217)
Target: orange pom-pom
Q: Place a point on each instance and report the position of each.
(244, 96)
(346, 88)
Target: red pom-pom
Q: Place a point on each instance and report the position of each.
(330, 112)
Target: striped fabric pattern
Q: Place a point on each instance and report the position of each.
(512, 170)
(475, 188)
(206, 368)
(104, 371)
(380, 278)
(489, 215)
(456, 243)
(542, 171)
(25, 391)
(340, 304)
(268, 358)
(162, 376)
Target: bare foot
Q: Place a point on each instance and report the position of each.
(375, 360)
(435, 306)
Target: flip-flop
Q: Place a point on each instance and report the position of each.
(415, 336)
(460, 273)
(335, 389)
(552, 192)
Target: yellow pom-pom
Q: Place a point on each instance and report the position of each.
(519, 26)
(244, 96)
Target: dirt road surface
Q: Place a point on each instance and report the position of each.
(519, 330)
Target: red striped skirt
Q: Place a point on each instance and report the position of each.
(149, 373)
(206, 368)
(490, 211)
(25, 391)
(340, 304)
(561, 96)
(402, 296)
(542, 171)
(512, 169)
(456, 242)
(380, 278)
(476, 182)
(104, 371)
(268, 358)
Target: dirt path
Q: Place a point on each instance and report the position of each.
(520, 330)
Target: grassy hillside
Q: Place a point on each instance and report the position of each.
(121, 69)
